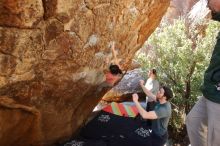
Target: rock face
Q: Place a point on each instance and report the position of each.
(52, 57)
(179, 8)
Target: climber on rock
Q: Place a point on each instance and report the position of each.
(115, 73)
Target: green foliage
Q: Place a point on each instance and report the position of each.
(180, 55)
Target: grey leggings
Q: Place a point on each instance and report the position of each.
(203, 123)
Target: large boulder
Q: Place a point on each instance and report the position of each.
(52, 57)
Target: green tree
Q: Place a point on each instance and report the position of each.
(180, 54)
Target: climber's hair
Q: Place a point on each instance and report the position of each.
(114, 69)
